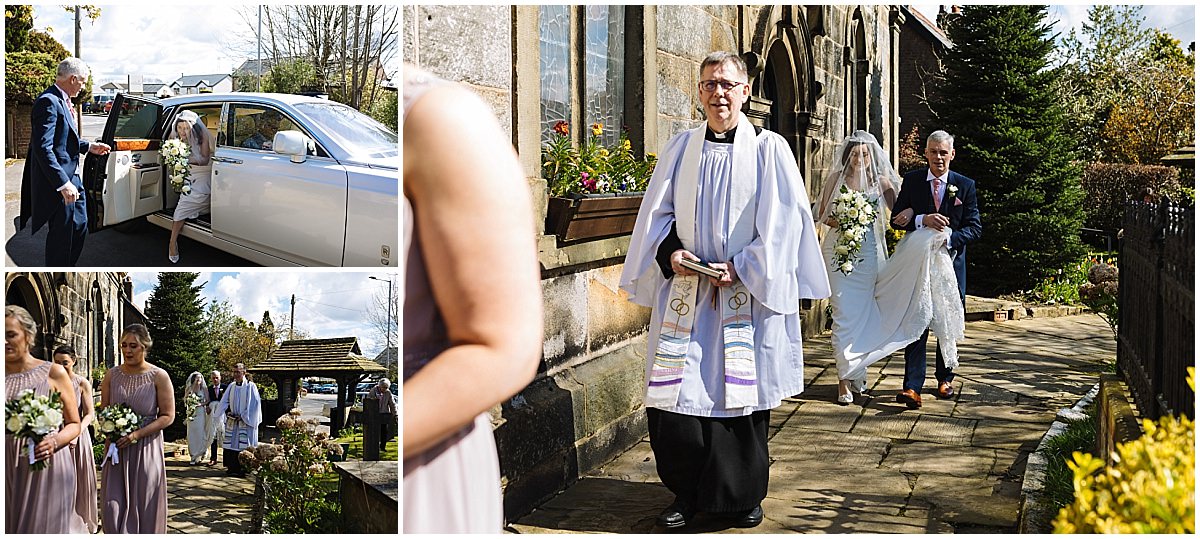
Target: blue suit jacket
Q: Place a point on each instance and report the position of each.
(916, 193)
(54, 150)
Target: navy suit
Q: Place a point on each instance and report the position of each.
(962, 209)
(54, 149)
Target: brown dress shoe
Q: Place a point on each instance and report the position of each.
(945, 390)
(910, 398)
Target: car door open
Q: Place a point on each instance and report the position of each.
(128, 182)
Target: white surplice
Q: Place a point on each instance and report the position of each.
(241, 400)
(780, 266)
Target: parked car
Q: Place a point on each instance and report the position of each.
(324, 193)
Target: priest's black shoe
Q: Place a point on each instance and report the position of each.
(675, 515)
(751, 519)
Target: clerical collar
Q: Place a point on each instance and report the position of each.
(723, 138)
(239, 384)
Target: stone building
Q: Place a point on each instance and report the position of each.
(83, 309)
(922, 45)
(817, 73)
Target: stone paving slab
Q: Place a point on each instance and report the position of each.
(953, 466)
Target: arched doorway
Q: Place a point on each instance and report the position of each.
(23, 290)
(784, 91)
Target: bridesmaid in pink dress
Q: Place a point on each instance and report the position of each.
(41, 501)
(133, 493)
(81, 448)
(471, 279)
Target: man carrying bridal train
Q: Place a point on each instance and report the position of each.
(941, 200)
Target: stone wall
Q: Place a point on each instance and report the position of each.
(83, 309)
(17, 129)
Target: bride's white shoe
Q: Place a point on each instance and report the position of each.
(174, 258)
(844, 394)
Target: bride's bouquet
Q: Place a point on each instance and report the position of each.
(114, 422)
(854, 214)
(191, 403)
(32, 417)
(175, 154)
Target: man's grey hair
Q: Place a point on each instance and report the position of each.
(719, 58)
(72, 66)
(215, 373)
(940, 136)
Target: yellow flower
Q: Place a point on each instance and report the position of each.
(597, 129)
(603, 152)
(626, 145)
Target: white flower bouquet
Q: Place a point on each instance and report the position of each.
(191, 403)
(175, 154)
(854, 214)
(114, 422)
(32, 417)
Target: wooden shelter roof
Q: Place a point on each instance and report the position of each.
(319, 356)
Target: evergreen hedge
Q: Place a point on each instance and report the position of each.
(1108, 185)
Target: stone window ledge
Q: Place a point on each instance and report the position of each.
(553, 257)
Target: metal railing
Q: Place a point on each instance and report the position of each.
(1156, 306)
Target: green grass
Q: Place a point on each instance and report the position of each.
(355, 439)
(1079, 436)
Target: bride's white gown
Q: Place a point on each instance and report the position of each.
(883, 305)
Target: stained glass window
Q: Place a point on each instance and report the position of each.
(554, 37)
(604, 91)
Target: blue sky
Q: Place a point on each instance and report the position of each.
(1178, 19)
(328, 303)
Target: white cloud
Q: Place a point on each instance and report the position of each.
(1177, 20)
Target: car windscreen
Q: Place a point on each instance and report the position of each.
(353, 130)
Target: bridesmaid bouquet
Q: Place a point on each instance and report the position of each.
(175, 154)
(191, 403)
(114, 422)
(32, 417)
(854, 213)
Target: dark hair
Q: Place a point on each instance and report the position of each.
(66, 349)
(850, 146)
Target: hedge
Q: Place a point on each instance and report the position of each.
(1108, 185)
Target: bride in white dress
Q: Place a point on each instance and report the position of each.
(200, 427)
(190, 129)
(883, 304)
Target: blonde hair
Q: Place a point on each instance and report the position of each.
(140, 333)
(25, 319)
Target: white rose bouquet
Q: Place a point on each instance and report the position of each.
(114, 422)
(191, 403)
(854, 214)
(32, 417)
(175, 154)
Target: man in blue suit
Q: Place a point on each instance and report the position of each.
(939, 198)
(51, 191)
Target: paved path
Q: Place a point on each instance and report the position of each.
(953, 466)
(205, 500)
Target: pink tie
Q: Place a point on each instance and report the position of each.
(71, 108)
(937, 204)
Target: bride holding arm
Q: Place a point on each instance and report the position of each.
(882, 304)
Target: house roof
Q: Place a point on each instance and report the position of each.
(189, 81)
(388, 354)
(114, 86)
(927, 27)
(1183, 157)
(319, 356)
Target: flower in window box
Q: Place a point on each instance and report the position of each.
(597, 129)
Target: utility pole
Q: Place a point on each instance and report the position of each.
(292, 322)
(388, 359)
(78, 54)
(258, 84)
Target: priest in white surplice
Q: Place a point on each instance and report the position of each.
(724, 350)
(243, 412)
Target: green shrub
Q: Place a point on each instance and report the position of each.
(1107, 186)
(293, 472)
(1149, 488)
(1100, 292)
(26, 75)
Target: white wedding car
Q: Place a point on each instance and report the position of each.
(296, 180)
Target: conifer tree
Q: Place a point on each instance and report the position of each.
(997, 99)
(176, 323)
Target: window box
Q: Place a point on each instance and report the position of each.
(580, 218)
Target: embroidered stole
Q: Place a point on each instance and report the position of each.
(670, 356)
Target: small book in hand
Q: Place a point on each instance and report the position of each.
(701, 268)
